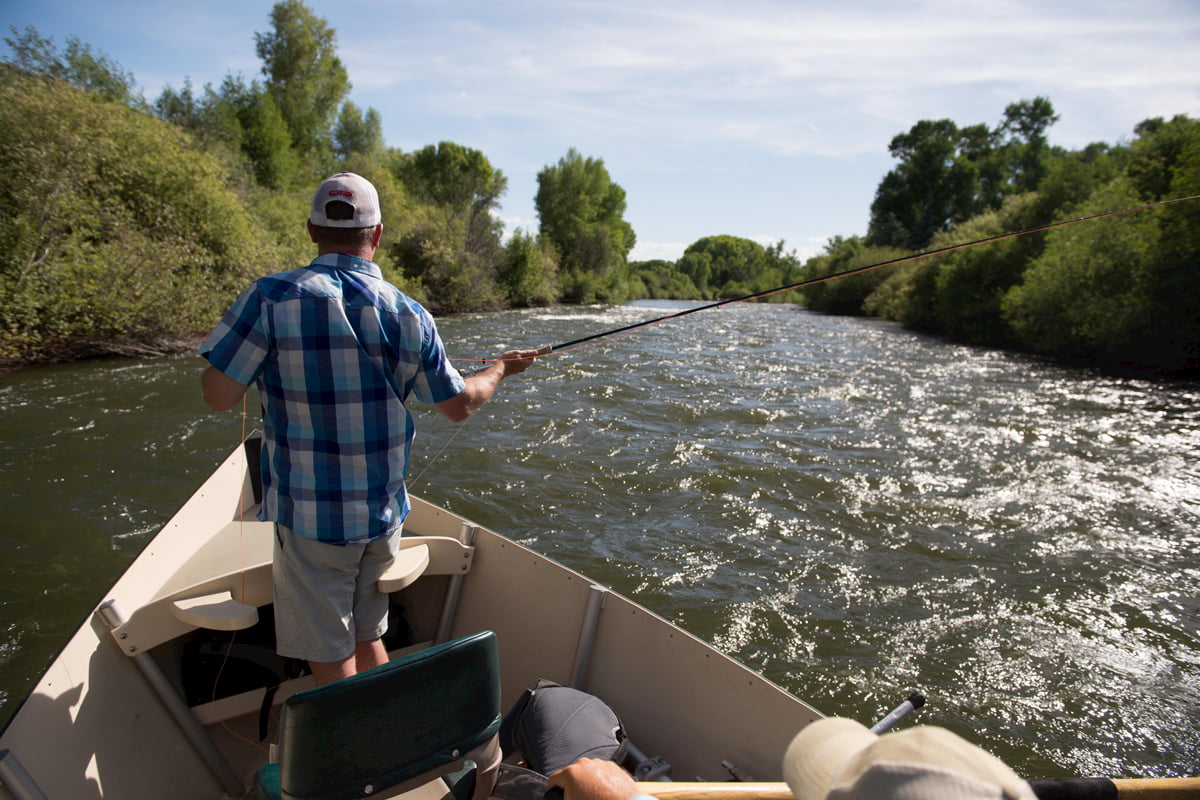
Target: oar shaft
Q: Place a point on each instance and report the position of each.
(729, 790)
(1157, 788)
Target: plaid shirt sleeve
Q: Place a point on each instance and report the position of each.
(239, 345)
(437, 379)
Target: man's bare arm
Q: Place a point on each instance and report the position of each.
(482, 385)
(221, 392)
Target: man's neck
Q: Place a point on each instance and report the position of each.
(363, 252)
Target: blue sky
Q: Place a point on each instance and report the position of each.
(765, 119)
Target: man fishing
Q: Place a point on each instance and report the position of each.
(336, 351)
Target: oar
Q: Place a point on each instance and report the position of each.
(1052, 789)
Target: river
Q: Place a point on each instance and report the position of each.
(853, 509)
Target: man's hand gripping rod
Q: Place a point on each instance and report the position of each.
(544, 350)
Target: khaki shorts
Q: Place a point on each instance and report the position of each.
(326, 595)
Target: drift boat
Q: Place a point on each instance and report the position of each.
(171, 687)
(132, 707)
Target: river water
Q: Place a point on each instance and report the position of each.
(855, 510)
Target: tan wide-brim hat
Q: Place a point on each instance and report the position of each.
(840, 759)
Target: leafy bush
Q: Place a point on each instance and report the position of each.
(118, 229)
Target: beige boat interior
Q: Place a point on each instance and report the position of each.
(95, 726)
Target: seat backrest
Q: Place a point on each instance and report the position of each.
(414, 716)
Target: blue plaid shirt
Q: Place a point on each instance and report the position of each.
(335, 351)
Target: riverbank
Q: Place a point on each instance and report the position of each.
(69, 352)
(86, 350)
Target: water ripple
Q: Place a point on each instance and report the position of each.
(855, 510)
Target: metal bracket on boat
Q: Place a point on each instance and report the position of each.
(110, 613)
(426, 555)
(19, 783)
(587, 635)
(466, 539)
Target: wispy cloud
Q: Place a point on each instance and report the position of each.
(716, 117)
(790, 78)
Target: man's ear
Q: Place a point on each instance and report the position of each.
(312, 234)
(376, 237)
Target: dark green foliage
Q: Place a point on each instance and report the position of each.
(434, 252)
(358, 132)
(947, 174)
(662, 280)
(1121, 292)
(1124, 291)
(845, 295)
(727, 267)
(958, 294)
(262, 132)
(133, 224)
(303, 74)
(582, 215)
(718, 264)
(528, 271)
(1087, 296)
(452, 237)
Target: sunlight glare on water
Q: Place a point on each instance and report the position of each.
(855, 510)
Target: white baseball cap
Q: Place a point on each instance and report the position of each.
(354, 190)
(840, 759)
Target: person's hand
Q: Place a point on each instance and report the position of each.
(515, 362)
(594, 779)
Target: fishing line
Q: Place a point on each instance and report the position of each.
(449, 441)
(628, 329)
(242, 576)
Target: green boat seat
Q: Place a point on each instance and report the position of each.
(392, 728)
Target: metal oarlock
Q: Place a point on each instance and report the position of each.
(914, 701)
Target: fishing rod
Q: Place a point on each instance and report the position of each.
(547, 349)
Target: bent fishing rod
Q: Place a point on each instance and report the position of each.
(627, 329)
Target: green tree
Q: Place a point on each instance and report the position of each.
(212, 117)
(179, 107)
(263, 134)
(120, 230)
(454, 175)
(304, 75)
(1021, 138)
(431, 251)
(528, 271)
(581, 212)
(79, 65)
(725, 266)
(1175, 288)
(357, 132)
(455, 225)
(846, 295)
(933, 187)
(662, 280)
(949, 174)
(1071, 178)
(970, 284)
(1088, 296)
(1158, 148)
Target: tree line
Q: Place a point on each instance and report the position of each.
(130, 223)
(1121, 293)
